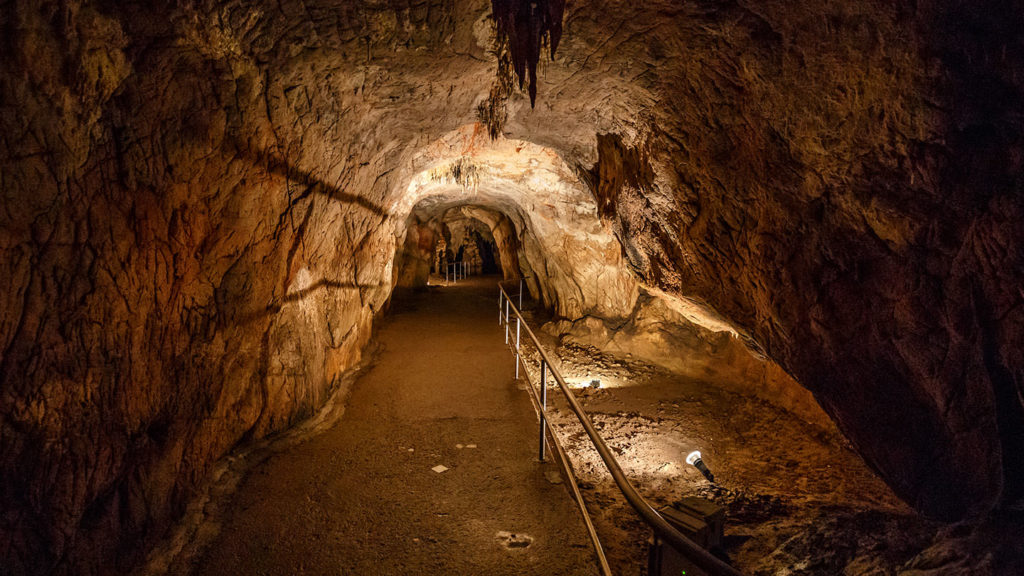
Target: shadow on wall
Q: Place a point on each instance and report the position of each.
(277, 165)
(300, 295)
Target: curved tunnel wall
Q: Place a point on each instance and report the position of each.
(571, 260)
(197, 197)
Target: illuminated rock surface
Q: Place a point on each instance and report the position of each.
(202, 206)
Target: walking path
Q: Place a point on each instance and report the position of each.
(363, 497)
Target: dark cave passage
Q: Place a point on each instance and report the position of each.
(791, 238)
(489, 263)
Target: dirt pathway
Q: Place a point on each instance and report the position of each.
(362, 497)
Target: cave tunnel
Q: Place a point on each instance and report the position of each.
(772, 256)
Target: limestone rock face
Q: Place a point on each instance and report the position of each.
(845, 186)
(415, 258)
(184, 267)
(679, 335)
(203, 202)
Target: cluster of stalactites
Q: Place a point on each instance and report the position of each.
(527, 25)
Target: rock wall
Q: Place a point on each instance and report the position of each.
(416, 255)
(679, 336)
(844, 183)
(184, 266)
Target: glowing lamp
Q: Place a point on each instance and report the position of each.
(693, 459)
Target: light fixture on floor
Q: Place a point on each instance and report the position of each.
(693, 459)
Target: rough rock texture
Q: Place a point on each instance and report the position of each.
(177, 277)
(678, 335)
(415, 258)
(845, 184)
(202, 204)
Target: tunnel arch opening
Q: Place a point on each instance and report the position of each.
(439, 233)
(569, 259)
(573, 263)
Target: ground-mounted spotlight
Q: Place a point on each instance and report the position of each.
(693, 459)
(595, 383)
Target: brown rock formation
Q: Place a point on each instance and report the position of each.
(201, 207)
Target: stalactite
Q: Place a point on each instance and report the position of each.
(493, 111)
(528, 25)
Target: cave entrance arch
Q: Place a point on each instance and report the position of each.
(472, 235)
(442, 230)
(568, 258)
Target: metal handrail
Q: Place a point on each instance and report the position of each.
(456, 270)
(540, 405)
(699, 556)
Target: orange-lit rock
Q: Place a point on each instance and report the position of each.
(202, 204)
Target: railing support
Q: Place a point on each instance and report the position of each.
(543, 404)
(517, 347)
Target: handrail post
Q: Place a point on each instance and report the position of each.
(499, 305)
(543, 403)
(517, 347)
(520, 294)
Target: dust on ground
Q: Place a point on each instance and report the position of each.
(432, 469)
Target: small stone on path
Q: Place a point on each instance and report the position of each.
(439, 468)
(512, 540)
